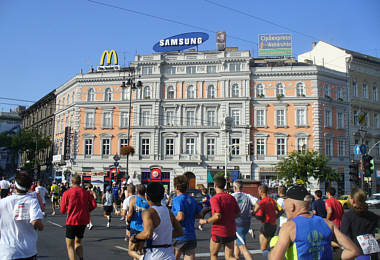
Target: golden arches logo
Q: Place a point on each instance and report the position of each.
(109, 55)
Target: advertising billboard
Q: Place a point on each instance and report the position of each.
(221, 41)
(275, 45)
(181, 42)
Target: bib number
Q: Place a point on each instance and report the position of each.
(368, 244)
(21, 212)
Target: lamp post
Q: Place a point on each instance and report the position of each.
(132, 85)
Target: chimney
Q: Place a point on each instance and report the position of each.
(314, 44)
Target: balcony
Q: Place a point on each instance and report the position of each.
(190, 158)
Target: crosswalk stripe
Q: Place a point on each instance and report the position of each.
(55, 224)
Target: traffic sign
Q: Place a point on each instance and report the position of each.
(357, 149)
(363, 149)
(116, 164)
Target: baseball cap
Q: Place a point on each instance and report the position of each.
(108, 188)
(297, 192)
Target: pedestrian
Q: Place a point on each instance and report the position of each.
(311, 234)
(78, 203)
(20, 218)
(360, 225)
(107, 205)
(185, 209)
(333, 207)
(243, 223)
(318, 205)
(131, 191)
(91, 190)
(42, 192)
(136, 206)
(4, 187)
(160, 227)
(224, 210)
(165, 199)
(206, 207)
(54, 194)
(280, 202)
(266, 210)
(116, 199)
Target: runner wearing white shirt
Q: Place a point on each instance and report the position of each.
(131, 190)
(280, 201)
(20, 217)
(42, 191)
(4, 187)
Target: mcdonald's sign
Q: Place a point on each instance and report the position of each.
(109, 55)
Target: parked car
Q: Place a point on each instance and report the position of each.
(374, 200)
(196, 194)
(345, 201)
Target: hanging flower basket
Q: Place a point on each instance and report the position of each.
(127, 150)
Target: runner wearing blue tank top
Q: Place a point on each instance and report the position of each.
(136, 206)
(311, 235)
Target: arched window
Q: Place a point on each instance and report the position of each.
(147, 92)
(72, 98)
(170, 94)
(91, 95)
(280, 89)
(327, 90)
(125, 93)
(235, 90)
(190, 91)
(107, 95)
(300, 89)
(260, 90)
(63, 103)
(211, 91)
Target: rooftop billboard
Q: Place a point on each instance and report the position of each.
(181, 42)
(275, 45)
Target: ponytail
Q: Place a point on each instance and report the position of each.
(359, 196)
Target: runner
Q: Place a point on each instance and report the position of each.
(333, 207)
(318, 206)
(206, 208)
(4, 187)
(280, 202)
(185, 209)
(107, 205)
(90, 188)
(131, 190)
(116, 199)
(20, 218)
(78, 203)
(225, 210)
(160, 226)
(244, 222)
(54, 193)
(42, 192)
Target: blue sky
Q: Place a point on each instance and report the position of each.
(45, 43)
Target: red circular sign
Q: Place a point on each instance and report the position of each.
(155, 173)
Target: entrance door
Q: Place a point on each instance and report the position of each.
(191, 177)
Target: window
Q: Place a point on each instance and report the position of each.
(365, 90)
(301, 144)
(210, 146)
(124, 118)
(123, 142)
(328, 148)
(327, 90)
(106, 143)
(260, 118)
(280, 118)
(235, 142)
(234, 67)
(354, 89)
(146, 92)
(72, 98)
(190, 118)
(280, 90)
(340, 120)
(190, 145)
(301, 117)
(211, 69)
(191, 69)
(63, 103)
(169, 117)
(260, 146)
(147, 70)
(374, 94)
(107, 95)
(356, 118)
(169, 146)
(260, 90)
(340, 148)
(107, 120)
(190, 92)
(235, 114)
(145, 146)
(328, 118)
(171, 70)
(211, 91)
(62, 125)
(235, 90)
(281, 149)
(376, 120)
(339, 93)
(170, 94)
(211, 118)
(300, 89)
(145, 118)
(125, 93)
(87, 146)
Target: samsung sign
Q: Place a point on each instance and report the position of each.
(181, 42)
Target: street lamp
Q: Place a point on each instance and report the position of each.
(130, 83)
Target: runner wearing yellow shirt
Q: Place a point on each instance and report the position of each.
(54, 193)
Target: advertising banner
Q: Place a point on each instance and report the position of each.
(221, 41)
(181, 42)
(98, 181)
(275, 45)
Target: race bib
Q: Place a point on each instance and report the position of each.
(368, 244)
(21, 211)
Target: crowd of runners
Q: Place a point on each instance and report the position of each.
(162, 226)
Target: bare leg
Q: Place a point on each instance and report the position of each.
(177, 253)
(214, 249)
(236, 251)
(229, 251)
(189, 255)
(79, 247)
(70, 248)
(263, 242)
(245, 252)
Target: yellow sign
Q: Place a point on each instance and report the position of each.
(109, 55)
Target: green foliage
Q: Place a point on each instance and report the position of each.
(300, 166)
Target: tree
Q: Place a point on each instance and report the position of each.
(300, 166)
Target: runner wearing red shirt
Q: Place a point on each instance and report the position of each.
(78, 203)
(333, 207)
(225, 210)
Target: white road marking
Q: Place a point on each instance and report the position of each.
(122, 248)
(55, 224)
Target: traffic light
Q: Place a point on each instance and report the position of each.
(368, 165)
(354, 174)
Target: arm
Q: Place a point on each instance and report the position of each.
(212, 219)
(37, 224)
(329, 213)
(350, 250)
(64, 204)
(278, 252)
(180, 216)
(148, 225)
(177, 228)
(131, 210)
(40, 201)
(92, 203)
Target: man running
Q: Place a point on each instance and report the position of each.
(78, 203)
(225, 210)
(280, 202)
(333, 207)
(20, 218)
(4, 187)
(107, 205)
(54, 193)
(43, 192)
(318, 205)
(131, 190)
(160, 227)
(116, 199)
(185, 209)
